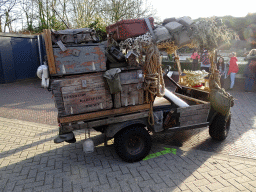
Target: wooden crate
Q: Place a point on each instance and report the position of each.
(80, 59)
(81, 94)
(132, 94)
(132, 89)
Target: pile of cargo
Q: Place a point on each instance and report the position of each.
(84, 72)
(82, 77)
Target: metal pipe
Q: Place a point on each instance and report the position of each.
(39, 49)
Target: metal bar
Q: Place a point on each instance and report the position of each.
(150, 29)
(39, 49)
(60, 17)
(201, 125)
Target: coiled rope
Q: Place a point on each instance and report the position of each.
(154, 82)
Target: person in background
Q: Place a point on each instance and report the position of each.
(233, 69)
(205, 65)
(195, 58)
(221, 66)
(250, 70)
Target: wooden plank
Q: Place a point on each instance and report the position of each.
(105, 113)
(195, 112)
(119, 119)
(191, 108)
(199, 118)
(178, 62)
(191, 98)
(49, 51)
(75, 80)
(117, 100)
(161, 101)
(129, 77)
(86, 102)
(132, 94)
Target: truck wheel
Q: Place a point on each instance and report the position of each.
(219, 128)
(132, 144)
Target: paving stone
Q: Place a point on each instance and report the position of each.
(124, 186)
(224, 182)
(135, 187)
(249, 187)
(156, 178)
(40, 176)
(34, 184)
(228, 176)
(201, 182)
(228, 189)
(34, 163)
(236, 184)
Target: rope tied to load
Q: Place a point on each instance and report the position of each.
(154, 82)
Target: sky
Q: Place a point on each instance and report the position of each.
(199, 8)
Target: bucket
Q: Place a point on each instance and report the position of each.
(88, 146)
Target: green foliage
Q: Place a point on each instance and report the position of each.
(211, 33)
(100, 29)
(241, 24)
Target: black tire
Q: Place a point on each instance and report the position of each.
(219, 128)
(132, 144)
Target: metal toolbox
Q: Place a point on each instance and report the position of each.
(80, 59)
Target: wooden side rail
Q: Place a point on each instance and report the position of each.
(105, 113)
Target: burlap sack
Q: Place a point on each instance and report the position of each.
(113, 80)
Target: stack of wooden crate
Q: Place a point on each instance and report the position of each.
(78, 84)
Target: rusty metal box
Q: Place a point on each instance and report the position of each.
(80, 59)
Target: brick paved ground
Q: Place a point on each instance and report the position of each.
(26, 100)
(30, 161)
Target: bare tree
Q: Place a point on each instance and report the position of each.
(84, 12)
(8, 14)
(115, 10)
(28, 7)
(38, 14)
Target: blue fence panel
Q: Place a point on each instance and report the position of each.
(25, 55)
(1, 71)
(19, 57)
